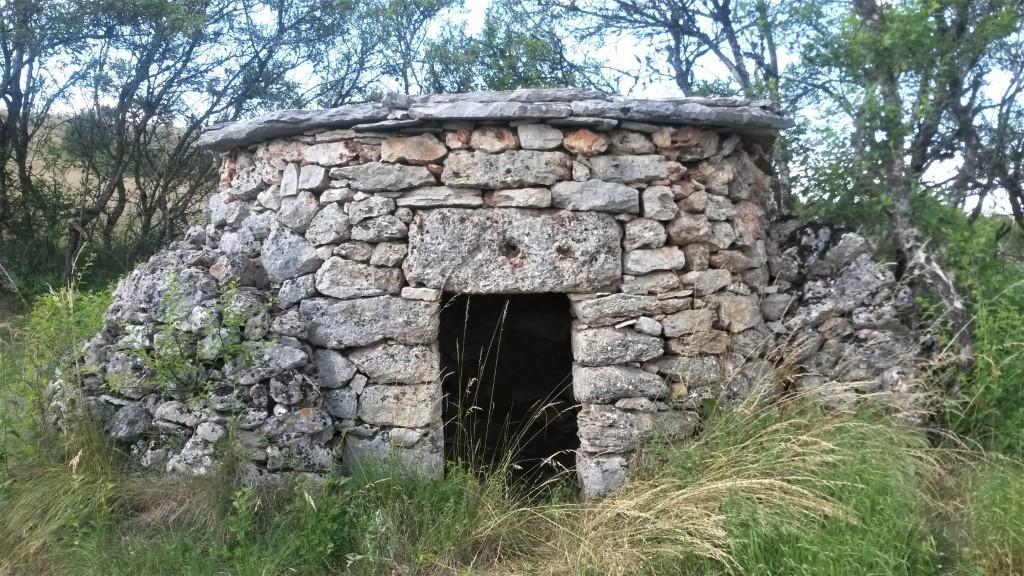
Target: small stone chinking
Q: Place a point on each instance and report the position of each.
(311, 297)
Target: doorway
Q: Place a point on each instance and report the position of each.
(507, 366)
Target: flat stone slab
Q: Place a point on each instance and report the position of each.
(513, 251)
(565, 106)
(347, 323)
(287, 123)
(510, 169)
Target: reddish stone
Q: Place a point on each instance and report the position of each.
(585, 142)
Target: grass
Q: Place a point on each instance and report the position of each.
(770, 487)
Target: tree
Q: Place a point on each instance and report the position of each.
(910, 78)
(739, 36)
(517, 48)
(32, 34)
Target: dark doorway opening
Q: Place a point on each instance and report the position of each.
(507, 362)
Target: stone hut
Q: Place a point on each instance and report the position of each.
(376, 261)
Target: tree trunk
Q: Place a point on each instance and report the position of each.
(921, 269)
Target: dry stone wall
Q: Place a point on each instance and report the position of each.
(338, 231)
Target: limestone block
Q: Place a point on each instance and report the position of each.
(696, 201)
(294, 290)
(580, 171)
(719, 208)
(330, 153)
(458, 139)
(382, 229)
(658, 203)
(738, 313)
(614, 308)
(298, 211)
(648, 325)
(697, 257)
(419, 149)
(597, 196)
(539, 137)
(686, 143)
(224, 213)
(628, 168)
(688, 322)
(341, 402)
(177, 412)
(600, 474)
(604, 428)
(489, 110)
(270, 198)
(337, 194)
(643, 233)
(605, 384)
(519, 198)
(643, 261)
(687, 228)
(379, 177)
(707, 281)
(409, 406)
(605, 346)
(709, 342)
(390, 363)
(722, 235)
(513, 250)
(329, 226)
(690, 370)
(585, 142)
(289, 185)
(333, 369)
(510, 169)
(440, 196)
(129, 422)
(748, 222)
(286, 255)
(775, 306)
(733, 261)
(653, 283)
(371, 207)
(425, 294)
(358, 251)
(344, 279)
(493, 139)
(389, 254)
(628, 142)
(426, 457)
(359, 322)
(312, 177)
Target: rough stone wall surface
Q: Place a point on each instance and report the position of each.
(339, 241)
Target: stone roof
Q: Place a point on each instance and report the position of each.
(566, 106)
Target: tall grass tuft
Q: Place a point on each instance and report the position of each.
(784, 488)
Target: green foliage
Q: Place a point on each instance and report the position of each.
(513, 50)
(179, 359)
(986, 259)
(31, 350)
